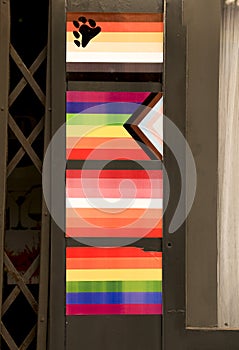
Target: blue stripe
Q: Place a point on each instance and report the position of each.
(105, 108)
(114, 298)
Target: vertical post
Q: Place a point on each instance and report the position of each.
(57, 325)
(4, 91)
(42, 322)
(202, 135)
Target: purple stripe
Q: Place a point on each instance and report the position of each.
(101, 108)
(114, 298)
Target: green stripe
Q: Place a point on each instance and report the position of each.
(115, 286)
(96, 119)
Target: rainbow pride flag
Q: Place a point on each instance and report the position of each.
(113, 281)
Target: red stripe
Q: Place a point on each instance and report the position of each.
(115, 174)
(113, 183)
(111, 233)
(109, 154)
(91, 96)
(109, 309)
(133, 27)
(109, 252)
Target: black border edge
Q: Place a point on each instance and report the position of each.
(73, 6)
(114, 165)
(146, 244)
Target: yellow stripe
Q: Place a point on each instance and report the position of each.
(123, 37)
(92, 131)
(115, 275)
(117, 47)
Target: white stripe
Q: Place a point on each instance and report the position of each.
(111, 203)
(116, 57)
(152, 126)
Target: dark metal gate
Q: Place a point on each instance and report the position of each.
(23, 78)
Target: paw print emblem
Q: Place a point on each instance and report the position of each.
(86, 30)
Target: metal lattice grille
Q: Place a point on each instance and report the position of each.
(36, 336)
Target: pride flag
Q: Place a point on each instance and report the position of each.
(112, 281)
(123, 38)
(95, 125)
(114, 203)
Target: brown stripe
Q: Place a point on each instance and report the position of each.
(115, 67)
(116, 17)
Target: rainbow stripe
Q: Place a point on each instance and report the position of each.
(95, 125)
(113, 281)
(114, 203)
(124, 38)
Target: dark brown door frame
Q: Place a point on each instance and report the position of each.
(56, 339)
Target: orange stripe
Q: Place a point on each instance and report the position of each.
(111, 213)
(104, 142)
(138, 27)
(107, 233)
(113, 223)
(114, 263)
